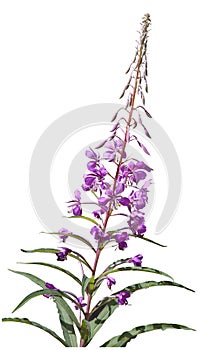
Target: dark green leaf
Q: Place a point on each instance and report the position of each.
(53, 293)
(72, 235)
(84, 218)
(134, 268)
(122, 339)
(55, 267)
(106, 307)
(32, 323)
(117, 263)
(138, 286)
(41, 283)
(85, 282)
(100, 315)
(65, 317)
(33, 278)
(55, 251)
(149, 240)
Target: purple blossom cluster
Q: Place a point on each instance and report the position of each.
(125, 189)
(95, 179)
(119, 185)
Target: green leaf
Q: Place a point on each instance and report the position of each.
(53, 293)
(122, 339)
(84, 218)
(55, 251)
(60, 303)
(85, 283)
(136, 268)
(117, 263)
(143, 285)
(98, 318)
(32, 323)
(72, 235)
(66, 322)
(33, 278)
(54, 267)
(104, 309)
(149, 240)
(83, 240)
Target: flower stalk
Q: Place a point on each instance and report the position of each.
(143, 41)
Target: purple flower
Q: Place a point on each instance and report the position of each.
(75, 207)
(80, 302)
(103, 200)
(99, 235)
(121, 238)
(65, 236)
(122, 245)
(120, 187)
(125, 202)
(62, 254)
(77, 211)
(110, 281)
(90, 153)
(95, 179)
(133, 171)
(92, 166)
(112, 196)
(136, 222)
(97, 213)
(136, 260)
(140, 198)
(122, 297)
(113, 147)
(49, 286)
(77, 194)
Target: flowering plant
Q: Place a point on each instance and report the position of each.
(119, 185)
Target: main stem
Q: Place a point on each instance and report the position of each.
(89, 299)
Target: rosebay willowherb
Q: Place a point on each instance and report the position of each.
(118, 184)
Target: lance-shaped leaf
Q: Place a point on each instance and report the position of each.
(35, 324)
(99, 316)
(41, 283)
(31, 277)
(55, 251)
(135, 268)
(117, 263)
(122, 339)
(54, 267)
(148, 240)
(84, 218)
(73, 235)
(85, 283)
(66, 322)
(105, 308)
(54, 293)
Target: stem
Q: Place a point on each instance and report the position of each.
(109, 212)
(89, 299)
(126, 132)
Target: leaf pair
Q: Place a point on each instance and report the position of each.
(105, 308)
(66, 315)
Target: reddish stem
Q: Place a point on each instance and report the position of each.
(109, 212)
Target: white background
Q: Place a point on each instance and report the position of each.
(61, 55)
